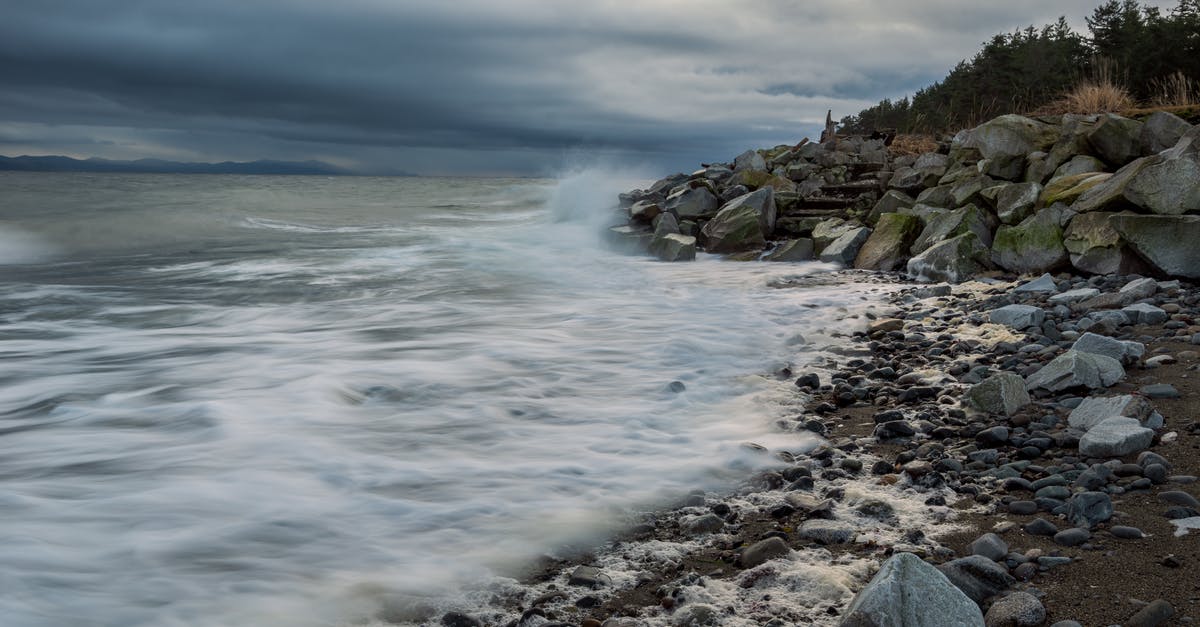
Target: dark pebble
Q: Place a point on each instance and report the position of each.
(1040, 527)
(1023, 508)
(1072, 537)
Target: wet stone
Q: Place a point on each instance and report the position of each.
(1072, 537)
(1040, 527)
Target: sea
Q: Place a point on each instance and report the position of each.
(259, 400)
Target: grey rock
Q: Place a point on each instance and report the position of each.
(1074, 296)
(1155, 613)
(1095, 410)
(1033, 246)
(1076, 369)
(1115, 437)
(825, 531)
(978, 577)
(1019, 317)
(1040, 527)
(1004, 142)
(674, 247)
(1004, 393)
(708, 523)
(763, 551)
(742, 223)
(844, 249)
(1116, 139)
(952, 261)
(1125, 351)
(944, 226)
(1166, 242)
(1179, 497)
(1127, 533)
(749, 160)
(826, 231)
(888, 245)
(1041, 285)
(695, 615)
(1072, 537)
(1080, 164)
(1144, 313)
(1097, 248)
(989, 545)
(792, 250)
(891, 202)
(1016, 202)
(587, 576)
(1160, 131)
(1019, 609)
(691, 203)
(1088, 509)
(907, 592)
(1159, 390)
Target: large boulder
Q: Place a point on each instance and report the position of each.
(953, 261)
(891, 202)
(1004, 143)
(1080, 164)
(1095, 410)
(1124, 351)
(1115, 437)
(1110, 193)
(691, 203)
(742, 224)
(675, 247)
(1161, 131)
(844, 249)
(1003, 393)
(1070, 187)
(825, 231)
(907, 592)
(1016, 202)
(631, 240)
(1116, 140)
(749, 160)
(887, 247)
(1074, 369)
(1167, 185)
(1168, 243)
(943, 226)
(1033, 246)
(1095, 246)
(792, 250)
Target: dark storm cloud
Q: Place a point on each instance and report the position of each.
(678, 81)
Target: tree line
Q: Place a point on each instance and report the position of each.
(1140, 48)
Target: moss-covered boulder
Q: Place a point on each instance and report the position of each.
(1096, 247)
(1004, 143)
(1080, 164)
(944, 226)
(887, 247)
(940, 196)
(1033, 246)
(954, 260)
(1069, 188)
(742, 224)
(890, 202)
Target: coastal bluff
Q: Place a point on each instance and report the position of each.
(1093, 194)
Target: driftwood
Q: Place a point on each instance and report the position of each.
(830, 132)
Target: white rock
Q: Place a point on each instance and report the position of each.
(1115, 437)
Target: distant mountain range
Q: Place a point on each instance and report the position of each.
(67, 164)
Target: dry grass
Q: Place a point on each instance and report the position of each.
(1092, 97)
(913, 145)
(1176, 90)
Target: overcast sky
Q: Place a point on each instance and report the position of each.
(468, 86)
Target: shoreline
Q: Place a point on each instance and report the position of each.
(794, 546)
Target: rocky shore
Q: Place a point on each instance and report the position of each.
(1001, 448)
(968, 478)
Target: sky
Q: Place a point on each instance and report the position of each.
(476, 87)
